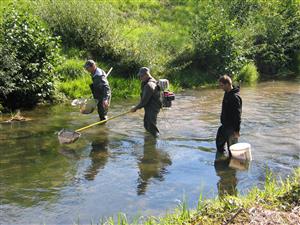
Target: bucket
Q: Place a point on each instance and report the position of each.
(241, 151)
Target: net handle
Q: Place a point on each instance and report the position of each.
(101, 122)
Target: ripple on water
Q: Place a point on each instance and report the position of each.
(119, 167)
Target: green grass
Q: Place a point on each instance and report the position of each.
(120, 87)
(79, 87)
(154, 33)
(248, 74)
(281, 195)
(73, 81)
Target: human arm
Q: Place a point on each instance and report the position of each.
(147, 94)
(236, 105)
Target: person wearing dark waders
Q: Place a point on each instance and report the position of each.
(150, 100)
(229, 132)
(100, 88)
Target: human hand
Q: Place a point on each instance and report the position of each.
(236, 134)
(105, 104)
(133, 109)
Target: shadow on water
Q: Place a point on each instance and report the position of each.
(152, 164)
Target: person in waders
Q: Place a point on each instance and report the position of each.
(100, 88)
(150, 100)
(229, 132)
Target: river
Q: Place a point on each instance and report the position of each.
(118, 167)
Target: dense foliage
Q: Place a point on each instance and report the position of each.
(28, 56)
(230, 34)
(190, 42)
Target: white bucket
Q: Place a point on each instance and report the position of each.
(241, 151)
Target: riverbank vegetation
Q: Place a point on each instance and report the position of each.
(276, 202)
(43, 44)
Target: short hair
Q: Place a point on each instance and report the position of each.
(225, 79)
(89, 63)
(143, 71)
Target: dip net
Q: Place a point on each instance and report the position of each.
(67, 136)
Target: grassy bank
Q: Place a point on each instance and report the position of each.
(73, 81)
(190, 42)
(79, 87)
(278, 198)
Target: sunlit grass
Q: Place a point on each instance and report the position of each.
(79, 87)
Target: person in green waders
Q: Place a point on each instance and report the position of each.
(229, 132)
(100, 88)
(150, 100)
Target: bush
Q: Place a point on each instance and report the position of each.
(248, 74)
(228, 35)
(28, 57)
(278, 35)
(89, 26)
(221, 45)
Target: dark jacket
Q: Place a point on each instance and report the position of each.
(150, 96)
(100, 86)
(232, 110)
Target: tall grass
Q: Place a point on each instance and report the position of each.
(79, 87)
(74, 81)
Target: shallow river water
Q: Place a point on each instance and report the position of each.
(118, 167)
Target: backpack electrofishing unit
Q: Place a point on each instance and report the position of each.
(166, 96)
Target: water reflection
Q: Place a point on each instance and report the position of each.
(38, 177)
(99, 156)
(228, 181)
(69, 153)
(152, 164)
(32, 173)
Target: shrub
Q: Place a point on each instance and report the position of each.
(89, 26)
(28, 57)
(220, 43)
(277, 39)
(248, 74)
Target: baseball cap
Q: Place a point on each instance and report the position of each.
(143, 70)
